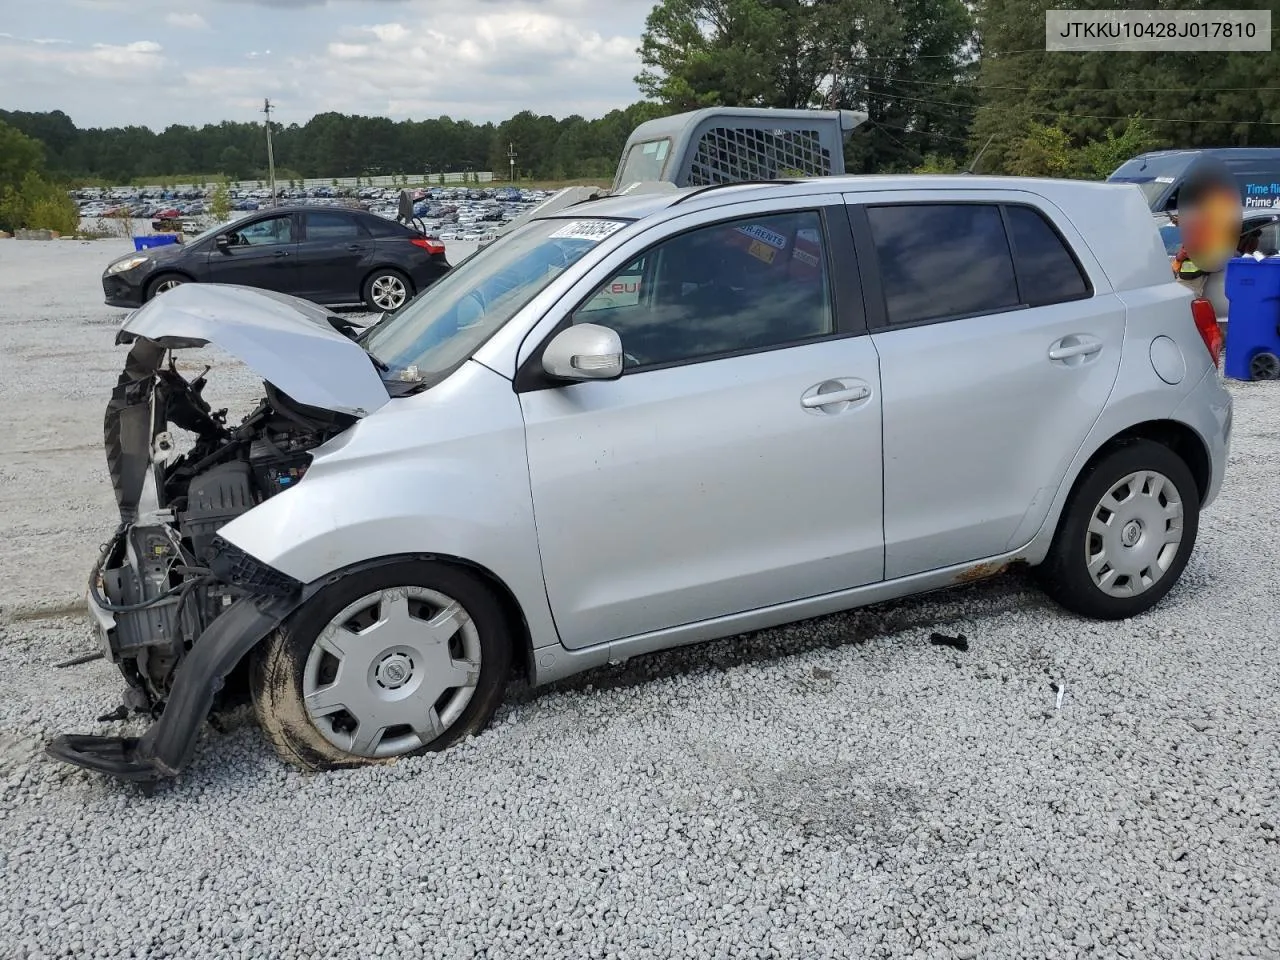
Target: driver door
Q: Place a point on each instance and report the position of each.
(262, 253)
(710, 479)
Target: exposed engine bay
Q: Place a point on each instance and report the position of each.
(165, 576)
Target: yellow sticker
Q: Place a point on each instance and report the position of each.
(762, 251)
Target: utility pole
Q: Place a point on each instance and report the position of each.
(271, 157)
(511, 158)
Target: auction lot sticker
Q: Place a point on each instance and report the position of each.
(1184, 31)
(589, 229)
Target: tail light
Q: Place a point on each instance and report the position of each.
(1207, 323)
(427, 244)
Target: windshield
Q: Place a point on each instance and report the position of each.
(1153, 175)
(447, 324)
(645, 162)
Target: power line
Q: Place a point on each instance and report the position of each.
(1074, 89)
(1069, 116)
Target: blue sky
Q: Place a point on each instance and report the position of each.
(153, 63)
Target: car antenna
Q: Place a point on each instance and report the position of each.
(978, 156)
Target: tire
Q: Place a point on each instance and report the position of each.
(409, 708)
(165, 281)
(386, 289)
(1139, 579)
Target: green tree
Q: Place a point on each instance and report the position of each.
(1045, 151)
(1202, 99)
(885, 57)
(28, 198)
(700, 53)
(220, 202)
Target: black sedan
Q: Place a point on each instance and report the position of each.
(330, 255)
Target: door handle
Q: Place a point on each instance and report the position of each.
(1069, 347)
(354, 247)
(851, 395)
(282, 253)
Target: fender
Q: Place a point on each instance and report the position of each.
(404, 482)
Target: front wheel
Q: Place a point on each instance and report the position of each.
(166, 281)
(386, 290)
(1126, 533)
(390, 662)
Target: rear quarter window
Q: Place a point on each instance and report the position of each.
(1047, 269)
(382, 227)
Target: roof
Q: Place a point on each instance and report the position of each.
(1233, 153)
(640, 206)
(677, 123)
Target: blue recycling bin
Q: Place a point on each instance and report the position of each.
(159, 240)
(1253, 319)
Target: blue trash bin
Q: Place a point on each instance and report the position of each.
(159, 240)
(1253, 319)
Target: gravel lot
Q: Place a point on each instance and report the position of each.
(838, 788)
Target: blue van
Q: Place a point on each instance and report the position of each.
(1160, 174)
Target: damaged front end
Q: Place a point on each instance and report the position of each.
(176, 606)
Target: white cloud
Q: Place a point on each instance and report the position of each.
(474, 59)
(186, 21)
(481, 61)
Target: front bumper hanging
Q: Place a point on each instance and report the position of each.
(166, 747)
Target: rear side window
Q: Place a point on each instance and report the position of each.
(331, 226)
(943, 260)
(1047, 270)
(382, 227)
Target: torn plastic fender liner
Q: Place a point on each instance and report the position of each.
(166, 748)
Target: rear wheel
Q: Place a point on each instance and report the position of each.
(166, 281)
(1126, 533)
(386, 290)
(391, 662)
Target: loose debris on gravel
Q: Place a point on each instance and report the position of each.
(835, 788)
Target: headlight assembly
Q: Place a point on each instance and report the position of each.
(120, 266)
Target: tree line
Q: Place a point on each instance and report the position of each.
(946, 84)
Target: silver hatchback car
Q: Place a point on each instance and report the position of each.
(642, 422)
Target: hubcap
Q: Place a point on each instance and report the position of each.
(392, 672)
(1135, 534)
(389, 292)
(167, 285)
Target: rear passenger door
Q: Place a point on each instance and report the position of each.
(999, 341)
(331, 256)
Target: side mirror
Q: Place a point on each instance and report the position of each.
(222, 241)
(585, 351)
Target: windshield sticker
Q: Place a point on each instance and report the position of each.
(764, 235)
(762, 251)
(806, 258)
(595, 230)
(1164, 179)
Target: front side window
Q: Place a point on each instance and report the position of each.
(943, 260)
(437, 331)
(750, 284)
(264, 232)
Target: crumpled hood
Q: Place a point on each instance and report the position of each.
(288, 342)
